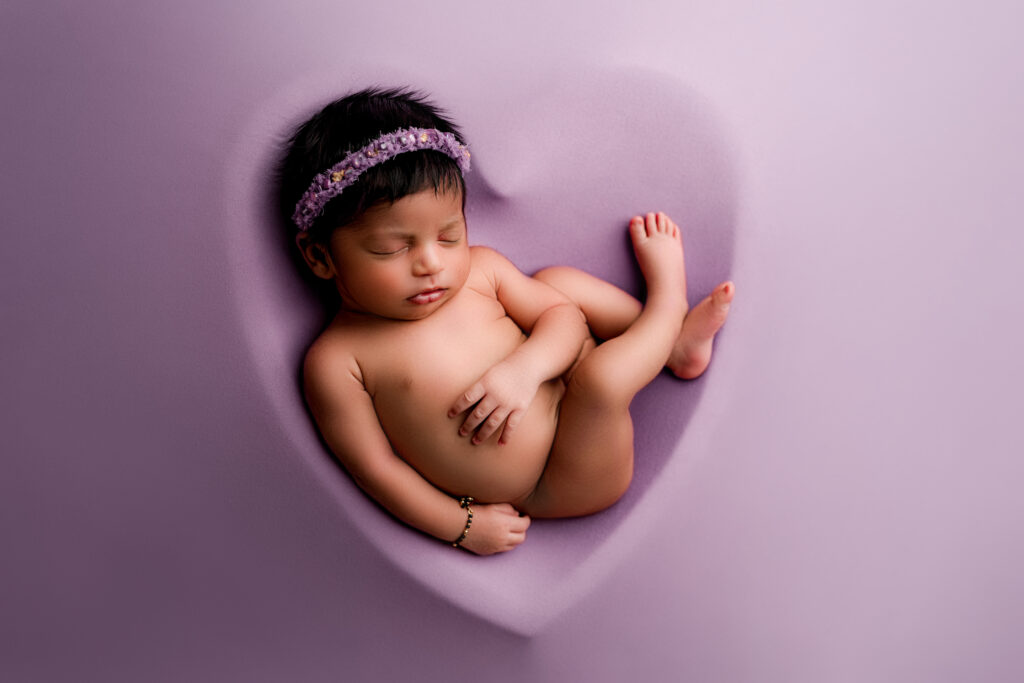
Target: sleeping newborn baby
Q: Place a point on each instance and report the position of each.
(461, 394)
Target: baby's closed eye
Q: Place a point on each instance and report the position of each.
(386, 247)
(450, 236)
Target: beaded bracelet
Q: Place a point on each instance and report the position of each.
(465, 503)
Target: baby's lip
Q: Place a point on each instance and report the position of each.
(428, 296)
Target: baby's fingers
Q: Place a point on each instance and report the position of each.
(517, 531)
(472, 395)
(477, 416)
(515, 539)
(520, 524)
(490, 425)
(510, 426)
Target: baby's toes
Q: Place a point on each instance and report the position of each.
(665, 225)
(637, 230)
(722, 296)
(673, 229)
(652, 224)
(662, 223)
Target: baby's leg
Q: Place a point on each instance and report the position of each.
(610, 311)
(591, 461)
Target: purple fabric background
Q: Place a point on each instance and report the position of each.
(836, 500)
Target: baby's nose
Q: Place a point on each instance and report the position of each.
(428, 260)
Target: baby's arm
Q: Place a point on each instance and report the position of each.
(345, 415)
(557, 330)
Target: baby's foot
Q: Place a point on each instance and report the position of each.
(692, 352)
(659, 251)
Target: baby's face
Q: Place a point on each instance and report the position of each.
(403, 260)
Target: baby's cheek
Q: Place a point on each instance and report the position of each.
(461, 268)
(375, 280)
(394, 281)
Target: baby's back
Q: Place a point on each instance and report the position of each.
(415, 370)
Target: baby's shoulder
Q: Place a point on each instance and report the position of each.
(331, 354)
(489, 264)
(486, 257)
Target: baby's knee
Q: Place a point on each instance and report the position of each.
(597, 383)
(553, 274)
(562, 278)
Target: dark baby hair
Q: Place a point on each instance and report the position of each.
(350, 123)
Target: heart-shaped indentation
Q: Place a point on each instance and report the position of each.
(558, 170)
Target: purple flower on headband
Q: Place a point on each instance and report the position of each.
(329, 184)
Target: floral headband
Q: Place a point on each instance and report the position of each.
(329, 184)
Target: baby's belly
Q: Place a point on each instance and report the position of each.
(418, 426)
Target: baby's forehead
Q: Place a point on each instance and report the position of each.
(421, 211)
(364, 231)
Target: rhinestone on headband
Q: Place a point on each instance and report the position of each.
(329, 184)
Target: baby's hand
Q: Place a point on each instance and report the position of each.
(496, 528)
(501, 396)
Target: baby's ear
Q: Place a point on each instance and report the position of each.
(316, 256)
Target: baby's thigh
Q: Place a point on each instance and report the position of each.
(591, 461)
